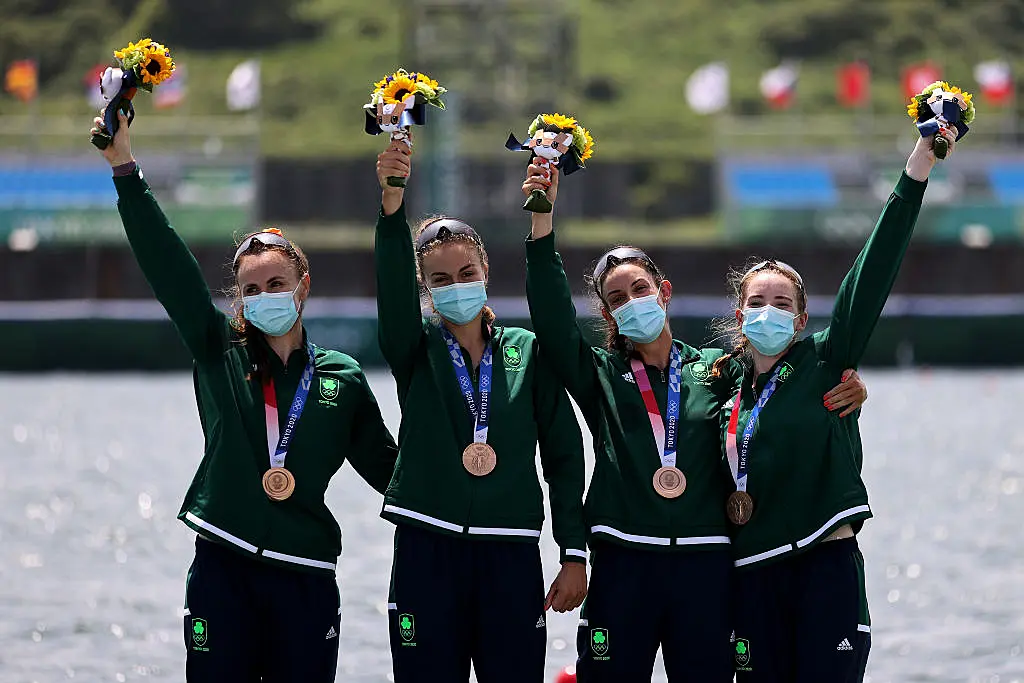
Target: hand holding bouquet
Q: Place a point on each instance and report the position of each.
(554, 139)
(941, 107)
(140, 65)
(397, 103)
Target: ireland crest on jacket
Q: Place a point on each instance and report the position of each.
(599, 641)
(513, 356)
(329, 387)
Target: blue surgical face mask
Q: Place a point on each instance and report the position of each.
(769, 329)
(642, 319)
(461, 302)
(272, 313)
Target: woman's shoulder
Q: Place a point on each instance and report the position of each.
(333, 362)
(519, 334)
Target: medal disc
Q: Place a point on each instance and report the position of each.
(739, 507)
(669, 482)
(278, 483)
(479, 459)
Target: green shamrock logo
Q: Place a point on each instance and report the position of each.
(741, 648)
(407, 627)
(199, 632)
(599, 638)
(513, 356)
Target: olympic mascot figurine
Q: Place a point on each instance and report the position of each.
(938, 107)
(140, 65)
(558, 140)
(397, 103)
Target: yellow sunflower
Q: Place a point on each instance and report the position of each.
(156, 65)
(428, 81)
(398, 87)
(912, 108)
(588, 147)
(133, 48)
(563, 122)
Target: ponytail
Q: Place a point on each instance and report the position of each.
(613, 341)
(738, 351)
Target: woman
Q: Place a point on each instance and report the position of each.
(466, 502)
(280, 416)
(659, 538)
(801, 611)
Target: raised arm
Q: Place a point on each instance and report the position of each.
(399, 319)
(373, 452)
(551, 307)
(169, 266)
(866, 287)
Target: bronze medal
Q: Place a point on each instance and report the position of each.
(739, 507)
(278, 483)
(479, 459)
(669, 482)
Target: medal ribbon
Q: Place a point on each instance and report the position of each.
(480, 411)
(738, 458)
(277, 444)
(666, 440)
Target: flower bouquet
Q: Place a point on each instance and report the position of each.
(398, 102)
(140, 65)
(938, 107)
(558, 140)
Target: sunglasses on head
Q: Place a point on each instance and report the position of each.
(442, 228)
(777, 264)
(266, 238)
(614, 258)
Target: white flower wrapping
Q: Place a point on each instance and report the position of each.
(110, 83)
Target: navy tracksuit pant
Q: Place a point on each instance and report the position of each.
(248, 621)
(641, 600)
(456, 599)
(804, 618)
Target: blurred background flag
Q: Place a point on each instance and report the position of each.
(22, 80)
(91, 81)
(995, 81)
(853, 84)
(243, 87)
(172, 92)
(778, 85)
(917, 77)
(707, 89)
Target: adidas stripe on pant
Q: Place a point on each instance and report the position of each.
(248, 621)
(456, 599)
(803, 619)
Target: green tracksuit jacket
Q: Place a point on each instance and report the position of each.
(622, 505)
(804, 462)
(226, 502)
(528, 406)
